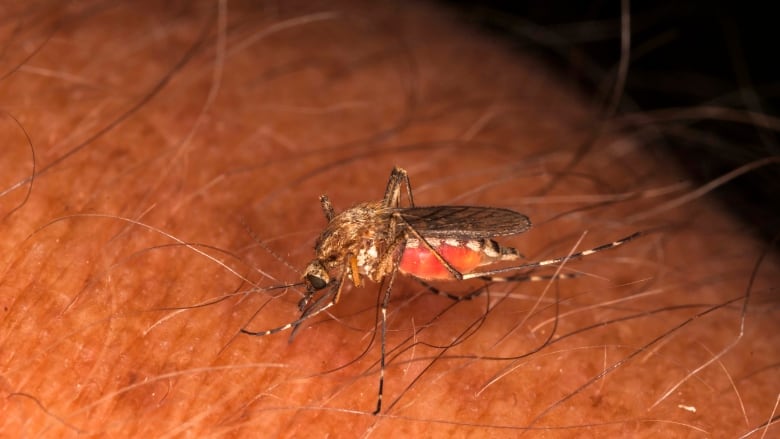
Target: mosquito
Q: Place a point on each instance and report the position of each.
(377, 240)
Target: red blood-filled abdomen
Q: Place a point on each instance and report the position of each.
(422, 263)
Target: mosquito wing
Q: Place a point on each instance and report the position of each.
(470, 222)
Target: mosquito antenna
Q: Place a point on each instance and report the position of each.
(262, 245)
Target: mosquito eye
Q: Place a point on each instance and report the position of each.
(316, 282)
(316, 276)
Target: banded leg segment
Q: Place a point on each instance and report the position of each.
(311, 309)
(554, 261)
(399, 179)
(478, 292)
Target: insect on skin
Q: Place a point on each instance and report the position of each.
(376, 240)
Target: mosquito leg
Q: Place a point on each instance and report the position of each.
(321, 304)
(383, 343)
(327, 208)
(294, 323)
(457, 298)
(408, 185)
(399, 179)
(530, 277)
(547, 262)
(392, 196)
(478, 291)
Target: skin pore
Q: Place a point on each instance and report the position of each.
(160, 171)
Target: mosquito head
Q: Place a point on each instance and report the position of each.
(316, 277)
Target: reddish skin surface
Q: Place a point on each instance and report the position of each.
(136, 132)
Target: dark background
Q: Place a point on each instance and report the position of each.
(684, 54)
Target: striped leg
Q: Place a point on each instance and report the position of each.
(383, 342)
(516, 278)
(532, 265)
(311, 309)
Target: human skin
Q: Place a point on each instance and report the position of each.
(160, 170)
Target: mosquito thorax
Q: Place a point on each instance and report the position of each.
(360, 233)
